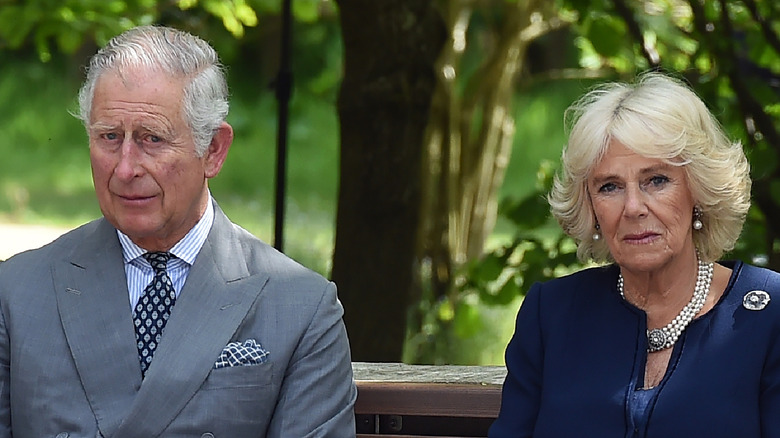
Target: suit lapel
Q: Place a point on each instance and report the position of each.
(95, 311)
(215, 299)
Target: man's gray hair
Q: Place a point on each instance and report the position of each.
(175, 53)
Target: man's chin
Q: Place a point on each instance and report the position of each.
(140, 229)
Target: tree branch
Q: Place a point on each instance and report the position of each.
(625, 12)
(750, 105)
(766, 28)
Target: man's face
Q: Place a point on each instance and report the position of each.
(150, 183)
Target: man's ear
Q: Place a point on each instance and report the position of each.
(218, 150)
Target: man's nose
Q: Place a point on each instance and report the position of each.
(129, 164)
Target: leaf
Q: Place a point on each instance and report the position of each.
(306, 11)
(762, 161)
(445, 311)
(187, 4)
(774, 190)
(69, 41)
(226, 11)
(467, 321)
(488, 269)
(607, 35)
(246, 14)
(16, 24)
(508, 292)
(532, 212)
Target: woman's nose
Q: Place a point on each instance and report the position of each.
(636, 202)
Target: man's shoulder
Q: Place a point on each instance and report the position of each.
(32, 268)
(61, 245)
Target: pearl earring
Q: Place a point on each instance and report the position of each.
(597, 234)
(697, 223)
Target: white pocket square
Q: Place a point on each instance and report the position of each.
(241, 354)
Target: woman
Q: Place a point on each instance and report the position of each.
(663, 341)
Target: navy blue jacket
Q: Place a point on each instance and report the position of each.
(579, 350)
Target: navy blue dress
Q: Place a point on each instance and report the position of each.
(578, 357)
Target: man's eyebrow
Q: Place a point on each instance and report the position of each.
(100, 126)
(161, 129)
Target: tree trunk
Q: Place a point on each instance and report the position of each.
(390, 47)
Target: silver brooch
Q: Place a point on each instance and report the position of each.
(656, 339)
(755, 300)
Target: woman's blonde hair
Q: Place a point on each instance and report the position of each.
(658, 116)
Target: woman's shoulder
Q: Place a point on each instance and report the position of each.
(747, 275)
(753, 288)
(588, 277)
(588, 284)
(582, 295)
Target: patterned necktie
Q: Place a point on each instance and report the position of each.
(153, 308)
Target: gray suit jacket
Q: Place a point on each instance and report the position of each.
(69, 365)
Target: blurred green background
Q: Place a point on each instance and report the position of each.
(44, 165)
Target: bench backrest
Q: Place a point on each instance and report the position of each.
(398, 400)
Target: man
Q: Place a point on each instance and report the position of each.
(163, 318)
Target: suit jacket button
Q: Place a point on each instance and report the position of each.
(207, 435)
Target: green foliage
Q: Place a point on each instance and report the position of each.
(606, 34)
(49, 26)
(670, 38)
(64, 25)
(763, 160)
(538, 251)
(235, 14)
(45, 175)
(472, 326)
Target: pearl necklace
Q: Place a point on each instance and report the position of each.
(664, 337)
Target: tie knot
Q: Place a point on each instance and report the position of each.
(158, 260)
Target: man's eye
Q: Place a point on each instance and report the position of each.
(154, 139)
(111, 136)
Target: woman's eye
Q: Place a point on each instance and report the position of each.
(607, 188)
(659, 180)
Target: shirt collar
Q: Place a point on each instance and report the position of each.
(186, 249)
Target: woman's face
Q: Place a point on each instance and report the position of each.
(644, 208)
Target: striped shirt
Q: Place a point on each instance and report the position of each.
(139, 272)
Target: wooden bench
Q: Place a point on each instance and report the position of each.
(406, 401)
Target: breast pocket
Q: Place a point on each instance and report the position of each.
(246, 376)
(233, 401)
